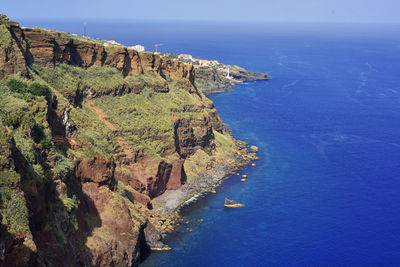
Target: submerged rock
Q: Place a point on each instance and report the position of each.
(253, 149)
(232, 204)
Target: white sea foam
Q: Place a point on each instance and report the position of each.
(192, 199)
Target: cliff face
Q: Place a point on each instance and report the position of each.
(97, 227)
(90, 136)
(213, 79)
(38, 47)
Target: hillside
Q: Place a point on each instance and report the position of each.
(212, 76)
(90, 138)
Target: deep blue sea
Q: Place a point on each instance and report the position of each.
(326, 190)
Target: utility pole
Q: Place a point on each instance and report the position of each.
(156, 46)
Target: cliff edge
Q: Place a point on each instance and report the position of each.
(90, 137)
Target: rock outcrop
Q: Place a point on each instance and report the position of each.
(212, 79)
(81, 166)
(192, 135)
(96, 170)
(35, 46)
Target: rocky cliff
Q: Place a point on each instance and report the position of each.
(28, 47)
(214, 79)
(90, 136)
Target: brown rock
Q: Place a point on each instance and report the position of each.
(192, 135)
(32, 46)
(253, 149)
(115, 241)
(96, 170)
(177, 177)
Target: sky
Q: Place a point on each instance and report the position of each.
(370, 11)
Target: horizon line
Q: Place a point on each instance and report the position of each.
(105, 19)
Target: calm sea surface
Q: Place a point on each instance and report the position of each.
(326, 190)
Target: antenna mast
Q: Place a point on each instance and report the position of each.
(156, 46)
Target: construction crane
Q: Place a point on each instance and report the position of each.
(156, 46)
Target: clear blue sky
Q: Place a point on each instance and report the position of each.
(385, 11)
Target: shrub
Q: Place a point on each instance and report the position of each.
(12, 119)
(62, 168)
(17, 86)
(46, 142)
(70, 203)
(9, 178)
(5, 36)
(13, 210)
(37, 89)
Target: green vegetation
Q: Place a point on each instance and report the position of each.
(70, 203)
(23, 107)
(25, 145)
(143, 121)
(9, 178)
(136, 122)
(6, 21)
(38, 89)
(21, 87)
(5, 36)
(224, 146)
(62, 167)
(170, 55)
(12, 204)
(196, 164)
(146, 120)
(17, 86)
(235, 69)
(66, 78)
(126, 191)
(94, 136)
(66, 35)
(206, 84)
(146, 79)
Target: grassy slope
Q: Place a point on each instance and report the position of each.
(145, 120)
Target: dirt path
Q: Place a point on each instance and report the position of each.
(121, 141)
(100, 114)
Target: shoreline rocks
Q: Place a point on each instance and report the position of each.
(253, 149)
(232, 204)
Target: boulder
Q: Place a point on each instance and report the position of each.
(253, 149)
(96, 170)
(232, 204)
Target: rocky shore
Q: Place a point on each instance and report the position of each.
(100, 146)
(172, 200)
(212, 80)
(167, 205)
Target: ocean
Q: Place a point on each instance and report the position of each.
(325, 191)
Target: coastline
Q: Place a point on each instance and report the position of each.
(91, 160)
(172, 200)
(166, 216)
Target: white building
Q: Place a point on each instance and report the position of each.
(111, 43)
(185, 56)
(139, 48)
